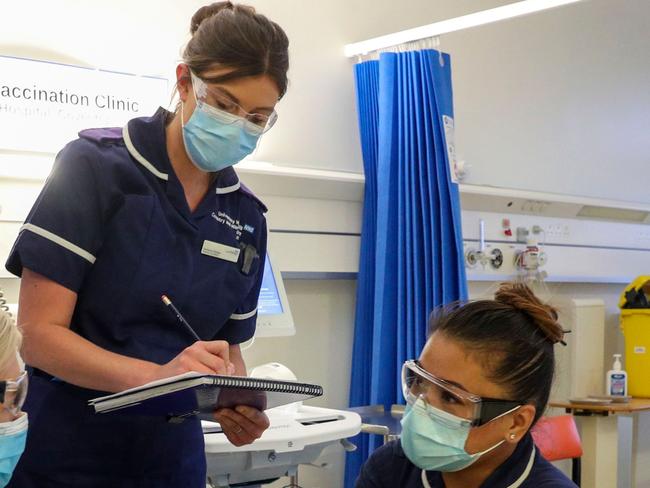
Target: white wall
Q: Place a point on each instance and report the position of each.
(541, 101)
(567, 88)
(322, 83)
(562, 104)
(322, 88)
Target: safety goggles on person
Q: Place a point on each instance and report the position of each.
(13, 393)
(213, 99)
(417, 383)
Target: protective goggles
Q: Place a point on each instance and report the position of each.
(13, 393)
(417, 383)
(217, 102)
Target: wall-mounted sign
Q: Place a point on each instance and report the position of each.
(43, 105)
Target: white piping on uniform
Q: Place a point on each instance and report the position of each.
(60, 241)
(425, 481)
(228, 189)
(243, 316)
(139, 157)
(519, 482)
(526, 472)
(163, 176)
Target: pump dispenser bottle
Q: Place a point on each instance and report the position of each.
(617, 379)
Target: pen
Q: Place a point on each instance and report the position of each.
(181, 319)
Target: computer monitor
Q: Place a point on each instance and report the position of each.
(274, 317)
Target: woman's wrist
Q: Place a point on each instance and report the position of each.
(142, 373)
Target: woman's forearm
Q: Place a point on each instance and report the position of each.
(63, 353)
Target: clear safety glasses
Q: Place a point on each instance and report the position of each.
(417, 383)
(219, 104)
(13, 393)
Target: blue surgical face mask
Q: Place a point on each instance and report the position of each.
(12, 444)
(434, 440)
(215, 139)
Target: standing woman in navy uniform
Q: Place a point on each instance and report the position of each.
(129, 214)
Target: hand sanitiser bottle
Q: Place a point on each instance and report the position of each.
(617, 379)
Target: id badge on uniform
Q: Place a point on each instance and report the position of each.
(220, 251)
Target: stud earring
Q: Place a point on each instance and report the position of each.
(512, 437)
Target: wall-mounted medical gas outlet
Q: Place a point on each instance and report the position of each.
(566, 248)
(493, 257)
(524, 259)
(499, 260)
(532, 257)
(482, 255)
(496, 258)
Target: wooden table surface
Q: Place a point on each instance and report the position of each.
(634, 405)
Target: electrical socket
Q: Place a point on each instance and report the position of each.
(557, 233)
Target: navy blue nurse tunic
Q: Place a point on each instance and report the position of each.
(112, 224)
(388, 467)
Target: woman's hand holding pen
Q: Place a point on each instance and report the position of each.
(242, 425)
(209, 357)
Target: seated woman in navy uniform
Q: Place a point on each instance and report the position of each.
(482, 381)
(127, 215)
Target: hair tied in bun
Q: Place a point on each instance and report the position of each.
(520, 297)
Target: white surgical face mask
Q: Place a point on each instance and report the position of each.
(216, 139)
(13, 436)
(434, 440)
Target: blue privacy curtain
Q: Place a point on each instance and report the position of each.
(411, 245)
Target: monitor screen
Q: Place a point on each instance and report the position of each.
(273, 311)
(269, 302)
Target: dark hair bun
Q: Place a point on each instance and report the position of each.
(208, 11)
(521, 298)
(235, 36)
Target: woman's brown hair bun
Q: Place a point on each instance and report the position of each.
(208, 11)
(520, 297)
(235, 36)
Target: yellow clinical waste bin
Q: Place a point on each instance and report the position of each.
(635, 324)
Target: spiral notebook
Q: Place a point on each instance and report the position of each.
(199, 394)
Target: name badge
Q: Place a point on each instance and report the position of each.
(220, 251)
